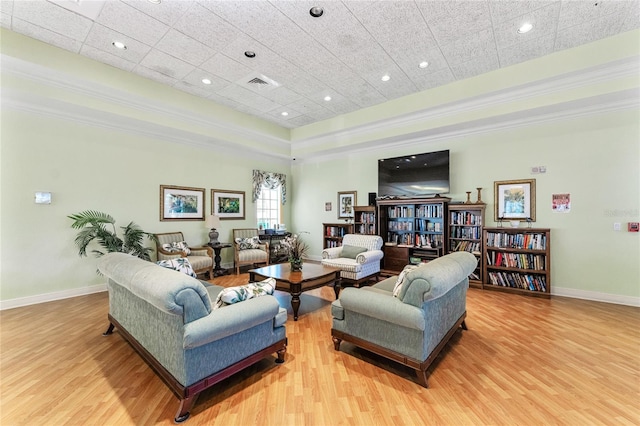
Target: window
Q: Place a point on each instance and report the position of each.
(268, 207)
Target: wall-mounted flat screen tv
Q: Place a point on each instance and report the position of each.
(418, 175)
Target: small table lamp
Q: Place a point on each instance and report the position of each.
(213, 222)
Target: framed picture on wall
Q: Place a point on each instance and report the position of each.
(346, 202)
(227, 204)
(181, 203)
(515, 200)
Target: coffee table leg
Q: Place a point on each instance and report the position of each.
(336, 288)
(295, 304)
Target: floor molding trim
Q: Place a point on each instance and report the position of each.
(50, 297)
(596, 296)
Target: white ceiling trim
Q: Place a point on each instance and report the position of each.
(61, 80)
(52, 108)
(560, 83)
(601, 104)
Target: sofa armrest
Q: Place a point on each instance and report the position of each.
(369, 256)
(229, 320)
(382, 306)
(331, 253)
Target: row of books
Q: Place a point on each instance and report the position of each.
(515, 280)
(367, 229)
(516, 260)
(335, 231)
(470, 246)
(430, 210)
(367, 217)
(427, 225)
(519, 241)
(400, 211)
(393, 225)
(459, 232)
(465, 218)
(332, 243)
(416, 241)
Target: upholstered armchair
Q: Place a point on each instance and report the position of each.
(409, 318)
(358, 259)
(248, 249)
(171, 245)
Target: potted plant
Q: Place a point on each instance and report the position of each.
(296, 249)
(101, 227)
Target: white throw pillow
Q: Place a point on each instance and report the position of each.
(180, 264)
(402, 278)
(237, 294)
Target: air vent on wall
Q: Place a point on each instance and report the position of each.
(258, 82)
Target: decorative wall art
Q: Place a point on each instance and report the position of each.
(515, 200)
(346, 202)
(181, 203)
(227, 204)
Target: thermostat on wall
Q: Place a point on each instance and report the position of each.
(43, 198)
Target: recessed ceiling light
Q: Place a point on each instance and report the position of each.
(525, 28)
(327, 98)
(250, 54)
(155, 1)
(119, 45)
(423, 64)
(316, 12)
(386, 77)
(284, 113)
(206, 81)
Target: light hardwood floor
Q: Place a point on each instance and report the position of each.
(524, 361)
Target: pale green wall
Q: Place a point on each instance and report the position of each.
(87, 167)
(595, 159)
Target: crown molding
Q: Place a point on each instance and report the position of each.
(53, 108)
(627, 67)
(595, 105)
(61, 80)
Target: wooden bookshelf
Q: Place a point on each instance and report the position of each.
(518, 260)
(412, 228)
(365, 220)
(466, 222)
(332, 233)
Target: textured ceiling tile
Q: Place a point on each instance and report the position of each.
(196, 90)
(455, 20)
(46, 36)
(101, 37)
(305, 106)
(107, 58)
(435, 79)
(204, 26)
(166, 64)
(184, 47)
(573, 13)
(525, 51)
(5, 20)
(168, 11)
(154, 75)
(476, 66)
(478, 44)
(632, 18)
(589, 31)
(302, 120)
(128, 20)
(544, 21)
(6, 6)
(508, 10)
(282, 95)
(194, 78)
(249, 98)
(223, 66)
(53, 18)
(277, 113)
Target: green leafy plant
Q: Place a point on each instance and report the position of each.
(101, 227)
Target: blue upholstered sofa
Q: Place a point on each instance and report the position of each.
(168, 317)
(414, 326)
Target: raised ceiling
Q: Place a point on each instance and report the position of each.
(299, 60)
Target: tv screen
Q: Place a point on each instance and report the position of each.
(414, 175)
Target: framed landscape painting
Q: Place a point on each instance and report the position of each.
(515, 200)
(227, 204)
(181, 203)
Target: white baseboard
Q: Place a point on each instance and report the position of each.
(49, 297)
(596, 296)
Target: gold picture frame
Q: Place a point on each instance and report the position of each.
(228, 205)
(347, 200)
(515, 200)
(181, 203)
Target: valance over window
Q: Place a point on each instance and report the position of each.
(271, 181)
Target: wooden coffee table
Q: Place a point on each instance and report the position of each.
(313, 275)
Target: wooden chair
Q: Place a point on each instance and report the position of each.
(201, 258)
(245, 253)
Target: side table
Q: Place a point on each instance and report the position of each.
(217, 248)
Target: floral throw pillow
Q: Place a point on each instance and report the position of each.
(402, 278)
(177, 247)
(248, 243)
(231, 295)
(181, 264)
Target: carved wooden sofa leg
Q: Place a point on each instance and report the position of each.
(184, 410)
(336, 343)
(109, 330)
